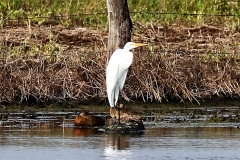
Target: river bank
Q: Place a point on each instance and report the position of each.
(44, 64)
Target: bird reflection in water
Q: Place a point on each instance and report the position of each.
(85, 131)
(117, 146)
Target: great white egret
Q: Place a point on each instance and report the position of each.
(116, 72)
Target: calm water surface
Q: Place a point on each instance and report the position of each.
(155, 143)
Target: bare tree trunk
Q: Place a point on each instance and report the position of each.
(120, 24)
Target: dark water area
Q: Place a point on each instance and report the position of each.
(173, 133)
(153, 143)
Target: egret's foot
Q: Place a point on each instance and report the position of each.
(116, 123)
(119, 122)
(114, 120)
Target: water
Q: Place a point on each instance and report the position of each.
(155, 143)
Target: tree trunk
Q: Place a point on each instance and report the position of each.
(120, 24)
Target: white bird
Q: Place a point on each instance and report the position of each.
(117, 69)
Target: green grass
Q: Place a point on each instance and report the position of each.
(87, 12)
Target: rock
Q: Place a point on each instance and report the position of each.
(128, 124)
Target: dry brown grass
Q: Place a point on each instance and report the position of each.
(55, 63)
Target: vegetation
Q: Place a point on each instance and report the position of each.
(93, 13)
(56, 50)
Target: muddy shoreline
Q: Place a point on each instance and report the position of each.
(208, 118)
(209, 114)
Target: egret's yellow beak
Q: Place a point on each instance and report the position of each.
(138, 44)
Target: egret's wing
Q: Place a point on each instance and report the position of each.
(122, 78)
(122, 74)
(122, 61)
(112, 74)
(111, 80)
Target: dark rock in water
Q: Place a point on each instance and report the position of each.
(127, 124)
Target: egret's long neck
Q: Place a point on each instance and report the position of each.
(126, 48)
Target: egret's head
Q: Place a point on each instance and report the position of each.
(130, 45)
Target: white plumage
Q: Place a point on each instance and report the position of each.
(117, 69)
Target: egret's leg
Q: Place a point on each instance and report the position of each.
(114, 107)
(119, 115)
(115, 114)
(115, 98)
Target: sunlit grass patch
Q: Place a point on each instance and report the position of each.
(94, 13)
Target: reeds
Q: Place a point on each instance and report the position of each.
(179, 64)
(42, 79)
